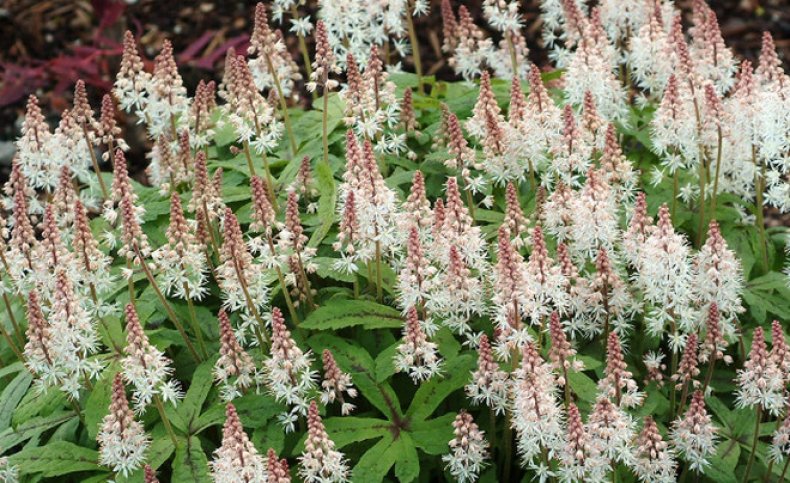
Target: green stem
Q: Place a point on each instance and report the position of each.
(307, 288)
(674, 368)
(512, 49)
(415, 48)
(17, 330)
(492, 428)
(702, 183)
(283, 286)
(675, 189)
(170, 312)
(379, 288)
(248, 156)
(76, 405)
(754, 443)
(283, 105)
(758, 206)
(130, 282)
(103, 322)
(709, 375)
(262, 340)
(716, 178)
(194, 321)
(95, 162)
(508, 452)
(767, 476)
(11, 343)
(784, 470)
(303, 46)
(532, 185)
(161, 408)
(325, 124)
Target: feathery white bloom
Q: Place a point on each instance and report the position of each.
(536, 413)
(236, 460)
(468, 449)
(321, 462)
(146, 367)
(416, 355)
(664, 275)
(760, 382)
(694, 436)
(287, 371)
(122, 440)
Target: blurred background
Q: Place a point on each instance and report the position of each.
(45, 46)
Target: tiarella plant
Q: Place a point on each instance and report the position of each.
(559, 276)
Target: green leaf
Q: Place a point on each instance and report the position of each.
(190, 408)
(448, 345)
(342, 313)
(325, 269)
(744, 420)
(723, 464)
(56, 459)
(349, 429)
(255, 410)
(37, 403)
(433, 392)
(407, 464)
(583, 386)
(434, 436)
(12, 394)
(12, 369)
(159, 451)
(190, 463)
(590, 363)
(357, 362)
(271, 436)
(98, 402)
(374, 465)
(385, 362)
(326, 202)
(29, 429)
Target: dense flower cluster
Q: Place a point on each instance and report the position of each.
(573, 263)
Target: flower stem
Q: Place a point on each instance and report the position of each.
(308, 290)
(194, 322)
(302, 45)
(11, 343)
(754, 443)
(512, 49)
(415, 48)
(103, 322)
(283, 106)
(283, 286)
(171, 314)
(247, 155)
(251, 306)
(95, 162)
(379, 289)
(161, 408)
(716, 178)
(675, 189)
(17, 330)
(702, 182)
(784, 471)
(758, 206)
(325, 125)
(709, 375)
